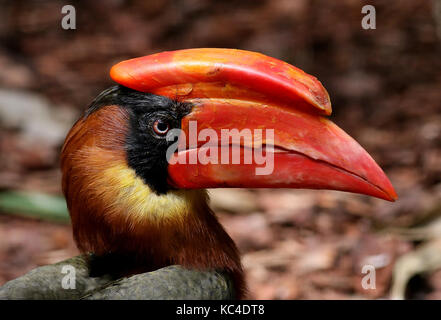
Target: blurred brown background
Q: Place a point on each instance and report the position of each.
(385, 87)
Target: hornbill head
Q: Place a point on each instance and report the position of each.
(136, 164)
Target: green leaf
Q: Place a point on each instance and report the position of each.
(34, 205)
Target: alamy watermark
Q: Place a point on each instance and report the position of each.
(69, 21)
(368, 282)
(369, 21)
(246, 147)
(68, 282)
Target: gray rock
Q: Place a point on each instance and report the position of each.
(173, 282)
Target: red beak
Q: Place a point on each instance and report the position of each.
(247, 91)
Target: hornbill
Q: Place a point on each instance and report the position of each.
(138, 207)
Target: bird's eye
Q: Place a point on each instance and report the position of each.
(160, 127)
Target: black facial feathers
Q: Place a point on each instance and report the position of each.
(145, 148)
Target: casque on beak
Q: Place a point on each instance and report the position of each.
(236, 89)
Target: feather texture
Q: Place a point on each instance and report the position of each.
(114, 212)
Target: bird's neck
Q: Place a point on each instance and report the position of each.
(118, 214)
(115, 213)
